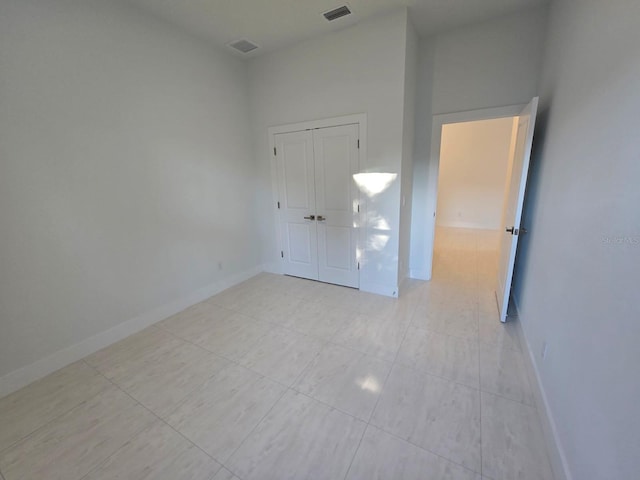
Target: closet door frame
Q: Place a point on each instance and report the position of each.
(361, 120)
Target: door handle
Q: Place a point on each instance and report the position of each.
(321, 218)
(310, 217)
(510, 230)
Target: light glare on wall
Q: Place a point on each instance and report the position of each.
(374, 183)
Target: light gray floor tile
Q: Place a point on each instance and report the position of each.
(380, 337)
(384, 457)
(282, 354)
(449, 320)
(493, 331)
(233, 336)
(224, 474)
(512, 441)
(487, 301)
(168, 376)
(132, 352)
(338, 296)
(232, 297)
(274, 307)
(28, 409)
(385, 307)
(503, 371)
(73, 444)
(445, 356)
(271, 306)
(218, 416)
(299, 438)
(451, 294)
(318, 319)
(192, 322)
(157, 453)
(345, 379)
(438, 415)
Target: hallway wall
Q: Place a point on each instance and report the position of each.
(474, 159)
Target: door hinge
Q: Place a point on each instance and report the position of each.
(358, 208)
(278, 205)
(358, 143)
(358, 265)
(274, 151)
(282, 253)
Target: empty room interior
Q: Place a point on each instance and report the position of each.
(373, 239)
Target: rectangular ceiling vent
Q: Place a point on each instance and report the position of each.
(337, 13)
(244, 46)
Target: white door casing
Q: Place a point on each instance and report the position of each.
(514, 201)
(318, 202)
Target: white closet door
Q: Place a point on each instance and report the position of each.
(336, 162)
(296, 185)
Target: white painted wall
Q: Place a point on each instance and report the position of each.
(578, 268)
(474, 158)
(489, 65)
(356, 70)
(125, 176)
(408, 138)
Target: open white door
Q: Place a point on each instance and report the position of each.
(296, 185)
(336, 162)
(513, 205)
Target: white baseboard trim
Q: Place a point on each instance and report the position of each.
(17, 379)
(556, 453)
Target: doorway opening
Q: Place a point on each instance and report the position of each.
(480, 162)
(475, 162)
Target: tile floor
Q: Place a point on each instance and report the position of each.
(283, 378)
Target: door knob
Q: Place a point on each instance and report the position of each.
(310, 217)
(321, 218)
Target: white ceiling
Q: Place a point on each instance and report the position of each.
(273, 24)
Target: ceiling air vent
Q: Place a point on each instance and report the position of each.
(244, 46)
(337, 13)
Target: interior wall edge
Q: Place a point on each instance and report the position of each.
(23, 376)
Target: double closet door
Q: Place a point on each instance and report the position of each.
(319, 203)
